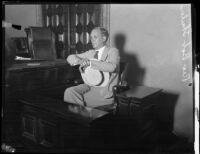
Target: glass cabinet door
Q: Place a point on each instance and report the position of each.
(72, 24)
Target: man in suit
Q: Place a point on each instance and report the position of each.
(109, 60)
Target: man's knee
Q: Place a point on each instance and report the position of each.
(75, 94)
(72, 96)
(69, 91)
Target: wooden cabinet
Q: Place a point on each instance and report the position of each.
(138, 106)
(72, 24)
(29, 127)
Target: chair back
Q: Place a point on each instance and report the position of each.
(41, 43)
(21, 46)
(117, 89)
(122, 72)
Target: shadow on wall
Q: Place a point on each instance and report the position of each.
(135, 76)
(134, 73)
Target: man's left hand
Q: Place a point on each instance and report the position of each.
(85, 63)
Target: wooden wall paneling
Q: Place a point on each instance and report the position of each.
(104, 18)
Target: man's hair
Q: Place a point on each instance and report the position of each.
(104, 32)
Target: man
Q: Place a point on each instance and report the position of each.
(109, 59)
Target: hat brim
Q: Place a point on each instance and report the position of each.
(95, 77)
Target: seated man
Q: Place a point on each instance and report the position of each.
(108, 61)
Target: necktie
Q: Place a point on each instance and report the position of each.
(96, 55)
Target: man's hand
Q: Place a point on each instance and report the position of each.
(85, 63)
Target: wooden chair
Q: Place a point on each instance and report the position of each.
(21, 46)
(41, 43)
(117, 89)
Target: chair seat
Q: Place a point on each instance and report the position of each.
(107, 108)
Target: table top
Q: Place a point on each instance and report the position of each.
(37, 64)
(140, 92)
(74, 111)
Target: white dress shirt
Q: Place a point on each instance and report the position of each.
(100, 52)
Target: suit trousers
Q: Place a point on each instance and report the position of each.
(86, 96)
(75, 94)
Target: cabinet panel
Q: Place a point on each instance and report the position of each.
(34, 79)
(38, 127)
(29, 127)
(47, 133)
(74, 135)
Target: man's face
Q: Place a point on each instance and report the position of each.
(97, 39)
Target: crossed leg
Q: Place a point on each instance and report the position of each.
(75, 94)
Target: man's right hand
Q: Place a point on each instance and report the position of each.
(80, 61)
(74, 60)
(77, 59)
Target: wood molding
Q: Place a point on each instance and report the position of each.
(105, 18)
(39, 17)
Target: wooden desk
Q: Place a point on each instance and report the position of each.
(50, 124)
(32, 76)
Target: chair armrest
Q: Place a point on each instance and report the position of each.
(118, 89)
